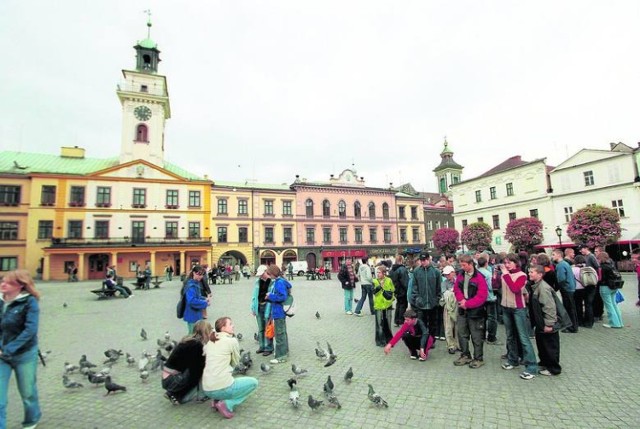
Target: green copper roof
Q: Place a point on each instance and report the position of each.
(253, 185)
(148, 43)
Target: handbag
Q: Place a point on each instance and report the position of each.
(619, 296)
(270, 329)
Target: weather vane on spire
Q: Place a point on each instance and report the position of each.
(148, 12)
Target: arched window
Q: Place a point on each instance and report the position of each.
(142, 133)
(309, 207)
(342, 209)
(326, 209)
(385, 211)
(372, 211)
(357, 210)
(443, 185)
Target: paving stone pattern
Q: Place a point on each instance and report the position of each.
(598, 388)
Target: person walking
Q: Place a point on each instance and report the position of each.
(366, 283)
(19, 320)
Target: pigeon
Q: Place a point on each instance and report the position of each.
(246, 360)
(239, 337)
(112, 387)
(314, 404)
(292, 382)
(320, 352)
(85, 370)
(143, 334)
(144, 375)
(328, 385)
(96, 378)
(169, 346)
(156, 363)
(265, 368)
(112, 352)
(160, 356)
(161, 342)
(143, 363)
(332, 356)
(294, 398)
(376, 399)
(297, 370)
(84, 363)
(111, 359)
(70, 368)
(130, 360)
(240, 369)
(167, 336)
(64, 305)
(45, 354)
(255, 337)
(318, 315)
(333, 401)
(70, 384)
(348, 375)
(106, 370)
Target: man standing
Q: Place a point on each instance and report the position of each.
(450, 311)
(366, 282)
(471, 292)
(592, 261)
(491, 305)
(544, 318)
(400, 277)
(569, 255)
(426, 293)
(567, 286)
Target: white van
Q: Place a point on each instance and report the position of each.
(299, 267)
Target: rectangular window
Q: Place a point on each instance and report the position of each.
(172, 199)
(45, 229)
(481, 219)
(431, 245)
(343, 235)
(436, 224)
(9, 195)
(588, 178)
(533, 213)
(430, 225)
(373, 235)
(8, 230)
(268, 234)
(445, 224)
(243, 207)
(385, 211)
(101, 229)
(478, 196)
(617, 206)
(509, 189)
(75, 229)
(492, 192)
(194, 199)
(387, 235)
(464, 223)
(326, 235)
(358, 234)
(287, 208)
(103, 196)
(496, 221)
(222, 206)
(342, 210)
(139, 198)
(568, 214)
(76, 196)
(326, 209)
(401, 212)
(287, 235)
(414, 213)
(357, 210)
(415, 234)
(137, 231)
(268, 207)
(194, 229)
(243, 234)
(512, 216)
(48, 195)
(171, 229)
(8, 263)
(222, 234)
(311, 235)
(403, 235)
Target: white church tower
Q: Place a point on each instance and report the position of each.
(145, 105)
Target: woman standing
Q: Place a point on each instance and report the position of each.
(277, 296)
(584, 295)
(222, 353)
(383, 298)
(261, 309)
(183, 369)
(609, 295)
(20, 312)
(348, 280)
(196, 302)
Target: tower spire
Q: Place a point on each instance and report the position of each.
(148, 12)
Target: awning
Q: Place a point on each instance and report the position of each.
(555, 245)
(629, 237)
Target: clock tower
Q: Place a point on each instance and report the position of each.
(448, 172)
(145, 105)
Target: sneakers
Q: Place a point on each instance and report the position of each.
(421, 359)
(260, 351)
(222, 409)
(507, 366)
(267, 353)
(277, 361)
(527, 376)
(604, 325)
(358, 314)
(413, 357)
(452, 350)
(545, 372)
(476, 364)
(349, 313)
(462, 360)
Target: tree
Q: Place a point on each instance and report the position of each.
(446, 240)
(594, 226)
(524, 233)
(477, 236)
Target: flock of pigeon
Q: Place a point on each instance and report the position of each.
(147, 363)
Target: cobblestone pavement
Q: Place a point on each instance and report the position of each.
(598, 388)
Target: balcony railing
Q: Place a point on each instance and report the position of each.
(128, 241)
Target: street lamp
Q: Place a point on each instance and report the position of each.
(559, 234)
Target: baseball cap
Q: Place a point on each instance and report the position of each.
(261, 269)
(424, 256)
(448, 270)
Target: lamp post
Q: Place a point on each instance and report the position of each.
(559, 234)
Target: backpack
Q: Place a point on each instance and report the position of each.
(615, 279)
(588, 276)
(182, 303)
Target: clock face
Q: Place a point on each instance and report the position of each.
(143, 113)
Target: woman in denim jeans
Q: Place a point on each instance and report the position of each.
(277, 296)
(19, 343)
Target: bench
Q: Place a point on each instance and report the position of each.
(104, 292)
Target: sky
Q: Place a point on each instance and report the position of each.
(264, 90)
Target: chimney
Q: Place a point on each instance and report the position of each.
(72, 152)
(612, 145)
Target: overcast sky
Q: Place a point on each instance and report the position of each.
(265, 90)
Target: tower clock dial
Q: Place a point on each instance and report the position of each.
(143, 113)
